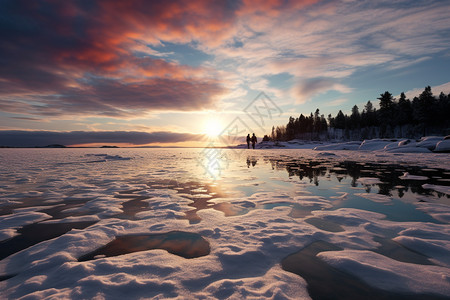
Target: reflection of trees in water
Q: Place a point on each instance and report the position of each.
(351, 169)
(389, 175)
(311, 170)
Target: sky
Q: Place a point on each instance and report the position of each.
(186, 73)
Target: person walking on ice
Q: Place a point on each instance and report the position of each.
(254, 141)
(248, 141)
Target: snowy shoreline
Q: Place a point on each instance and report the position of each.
(428, 144)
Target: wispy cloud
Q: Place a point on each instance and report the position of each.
(337, 39)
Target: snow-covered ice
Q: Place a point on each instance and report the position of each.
(389, 274)
(440, 188)
(427, 144)
(253, 216)
(443, 146)
(407, 176)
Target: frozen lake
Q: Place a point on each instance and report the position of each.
(224, 223)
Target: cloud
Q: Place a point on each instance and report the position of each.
(26, 119)
(336, 39)
(108, 97)
(62, 58)
(307, 89)
(445, 88)
(18, 138)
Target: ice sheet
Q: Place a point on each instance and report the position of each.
(246, 249)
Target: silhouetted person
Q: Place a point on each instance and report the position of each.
(248, 141)
(254, 141)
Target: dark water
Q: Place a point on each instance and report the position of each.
(33, 234)
(185, 244)
(325, 179)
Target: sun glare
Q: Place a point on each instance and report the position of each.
(213, 127)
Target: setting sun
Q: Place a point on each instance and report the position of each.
(213, 127)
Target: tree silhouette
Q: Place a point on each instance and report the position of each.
(423, 115)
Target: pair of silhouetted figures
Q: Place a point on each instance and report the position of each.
(251, 139)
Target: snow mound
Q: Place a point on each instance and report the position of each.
(375, 144)
(376, 197)
(432, 240)
(405, 149)
(439, 188)
(429, 142)
(440, 212)
(389, 274)
(443, 146)
(407, 176)
(92, 218)
(340, 146)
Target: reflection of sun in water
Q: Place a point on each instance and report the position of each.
(213, 127)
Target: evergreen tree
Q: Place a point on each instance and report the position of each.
(386, 113)
(443, 109)
(330, 121)
(340, 120)
(429, 102)
(302, 124)
(290, 129)
(423, 109)
(371, 118)
(386, 107)
(355, 118)
(404, 110)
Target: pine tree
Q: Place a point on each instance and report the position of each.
(355, 118)
(386, 113)
(340, 120)
(370, 114)
(404, 110)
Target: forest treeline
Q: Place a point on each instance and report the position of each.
(424, 115)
